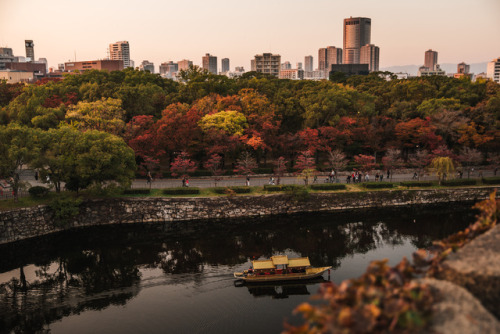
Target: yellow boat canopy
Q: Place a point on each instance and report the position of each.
(299, 262)
(262, 264)
(279, 259)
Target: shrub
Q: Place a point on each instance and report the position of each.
(137, 191)
(229, 190)
(38, 191)
(298, 193)
(491, 180)
(65, 208)
(181, 191)
(417, 184)
(328, 186)
(282, 187)
(459, 182)
(377, 185)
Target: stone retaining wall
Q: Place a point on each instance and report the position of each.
(37, 221)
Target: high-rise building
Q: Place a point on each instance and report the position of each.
(493, 70)
(369, 54)
(120, 51)
(169, 69)
(322, 59)
(225, 65)
(299, 66)
(209, 63)
(184, 64)
(30, 50)
(463, 68)
(357, 32)
(267, 63)
(431, 60)
(286, 66)
(333, 56)
(308, 63)
(146, 65)
(6, 56)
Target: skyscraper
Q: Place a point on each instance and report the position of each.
(225, 65)
(30, 50)
(209, 63)
(184, 64)
(369, 54)
(308, 63)
(322, 59)
(357, 32)
(333, 56)
(493, 70)
(120, 51)
(431, 60)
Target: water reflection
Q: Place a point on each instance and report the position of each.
(47, 279)
(282, 290)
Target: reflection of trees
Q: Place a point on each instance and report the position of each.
(95, 268)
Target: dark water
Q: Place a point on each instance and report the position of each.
(178, 279)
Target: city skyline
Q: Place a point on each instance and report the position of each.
(239, 31)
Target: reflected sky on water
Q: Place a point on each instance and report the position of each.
(177, 278)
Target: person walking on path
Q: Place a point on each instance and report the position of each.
(248, 181)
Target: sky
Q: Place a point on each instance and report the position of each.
(163, 30)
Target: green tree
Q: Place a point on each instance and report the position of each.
(82, 159)
(230, 122)
(17, 148)
(104, 115)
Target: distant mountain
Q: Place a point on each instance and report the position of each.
(448, 67)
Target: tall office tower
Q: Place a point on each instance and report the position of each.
(357, 32)
(493, 70)
(30, 50)
(146, 65)
(463, 68)
(322, 59)
(308, 63)
(286, 66)
(369, 54)
(267, 63)
(184, 64)
(120, 51)
(333, 56)
(169, 69)
(299, 66)
(209, 63)
(431, 60)
(225, 65)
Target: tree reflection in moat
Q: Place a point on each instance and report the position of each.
(94, 268)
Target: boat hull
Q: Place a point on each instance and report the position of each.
(309, 274)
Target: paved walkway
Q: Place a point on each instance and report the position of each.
(227, 181)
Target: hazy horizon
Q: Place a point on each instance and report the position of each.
(159, 31)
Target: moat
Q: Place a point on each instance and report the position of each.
(156, 279)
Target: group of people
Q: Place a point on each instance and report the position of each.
(357, 177)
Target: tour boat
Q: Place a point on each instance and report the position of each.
(280, 268)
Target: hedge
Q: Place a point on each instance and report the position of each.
(138, 191)
(38, 191)
(417, 184)
(283, 187)
(237, 190)
(459, 182)
(377, 185)
(181, 191)
(328, 186)
(491, 180)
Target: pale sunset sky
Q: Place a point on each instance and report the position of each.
(163, 30)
